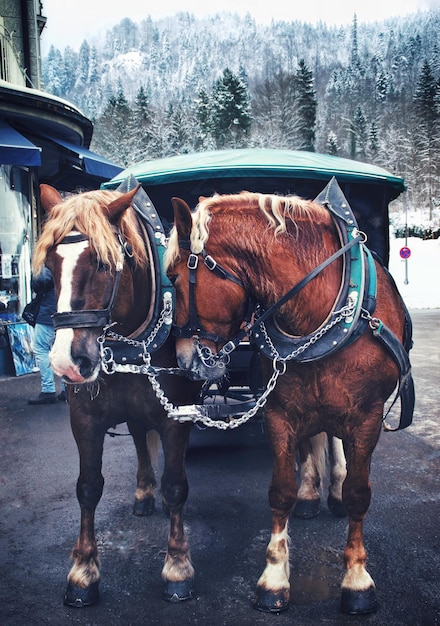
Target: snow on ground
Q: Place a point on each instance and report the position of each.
(423, 272)
(421, 292)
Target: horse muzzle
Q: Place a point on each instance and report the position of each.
(199, 362)
(77, 361)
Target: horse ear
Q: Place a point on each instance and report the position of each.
(182, 218)
(49, 197)
(121, 204)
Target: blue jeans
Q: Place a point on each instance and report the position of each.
(43, 339)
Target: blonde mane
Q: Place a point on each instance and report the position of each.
(86, 213)
(276, 209)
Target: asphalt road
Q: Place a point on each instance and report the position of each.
(227, 520)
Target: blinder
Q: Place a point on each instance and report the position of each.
(91, 318)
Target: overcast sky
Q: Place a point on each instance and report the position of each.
(68, 23)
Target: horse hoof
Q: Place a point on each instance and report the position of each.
(306, 509)
(80, 597)
(359, 602)
(336, 506)
(178, 591)
(268, 601)
(143, 508)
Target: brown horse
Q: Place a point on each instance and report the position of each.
(328, 369)
(102, 261)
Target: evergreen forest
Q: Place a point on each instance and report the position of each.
(369, 92)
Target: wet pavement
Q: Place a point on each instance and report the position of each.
(227, 520)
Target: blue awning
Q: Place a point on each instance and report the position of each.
(16, 149)
(94, 164)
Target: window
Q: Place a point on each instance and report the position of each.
(16, 228)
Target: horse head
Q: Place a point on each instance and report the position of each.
(85, 243)
(210, 301)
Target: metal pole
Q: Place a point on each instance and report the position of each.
(406, 281)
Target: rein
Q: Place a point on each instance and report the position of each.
(359, 238)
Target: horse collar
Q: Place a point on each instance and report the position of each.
(128, 351)
(357, 294)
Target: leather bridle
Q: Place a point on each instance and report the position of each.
(194, 327)
(91, 318)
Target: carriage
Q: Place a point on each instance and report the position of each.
(369, 189)
(122, 286)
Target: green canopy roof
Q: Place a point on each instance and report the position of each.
(256, 163)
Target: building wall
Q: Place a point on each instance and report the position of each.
(23, 23)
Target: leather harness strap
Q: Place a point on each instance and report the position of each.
(193, 326)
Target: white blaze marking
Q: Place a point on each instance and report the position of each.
(60, 354)
(70, 254)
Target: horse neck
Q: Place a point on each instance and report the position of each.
(271, 266)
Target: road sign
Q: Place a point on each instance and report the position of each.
(405, 252)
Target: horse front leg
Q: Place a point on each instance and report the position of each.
(358, 589)
(273, 587)
(178, 571)
(146, 446)
(83, 579)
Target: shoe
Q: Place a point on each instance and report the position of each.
(62, 397)
(44, 398)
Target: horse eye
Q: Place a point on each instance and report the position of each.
(103, 267)
(173, 277)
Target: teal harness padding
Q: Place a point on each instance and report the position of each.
(125, 352)
(352, 311)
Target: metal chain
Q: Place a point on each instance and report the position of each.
(194, 413)
(343, 313)
(108, 363)
(279, 367)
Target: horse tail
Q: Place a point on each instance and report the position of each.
(153, 443)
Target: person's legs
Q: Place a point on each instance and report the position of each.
(43, 340)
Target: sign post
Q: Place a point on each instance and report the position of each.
(405, 253)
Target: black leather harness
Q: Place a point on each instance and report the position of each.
(350, 316)
(130, 350)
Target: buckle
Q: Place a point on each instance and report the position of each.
(193, 261)
(228, 347)
(210, 263)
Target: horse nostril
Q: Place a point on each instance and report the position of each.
(85, 366)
